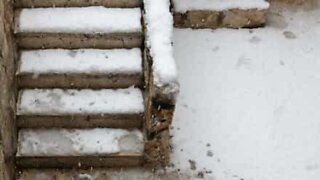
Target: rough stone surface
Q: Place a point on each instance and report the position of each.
(157, 150)
(74, 41)
(238, 18)
(233, 18)
(197, 19)
(7, 91)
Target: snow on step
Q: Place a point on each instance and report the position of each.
(82, 102)
(77, 142)
(81, 61)
(159, 22)
(218, 5)
(79, 20)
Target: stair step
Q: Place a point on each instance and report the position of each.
(218, 5)
(220, 13)
(77, 3)
(68, 148)
(71, 28)
(81, 68)
(120, 108)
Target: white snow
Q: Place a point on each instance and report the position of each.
(86, 101)
(218, 5)
(249, 102)
(81, 61)
(78, 142)
(79, 20)
(159, 22)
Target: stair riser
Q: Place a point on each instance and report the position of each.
(108, 121)
(80, 161)
(76, 41)
(234, 18)
(79, 81)
(78, 3)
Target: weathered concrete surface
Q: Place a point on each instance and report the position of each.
(124, 121)
(82, 162)
(233, 18)
(101, 174)
(75, 41)
(79, 81)
(78, 3)
(157, 150)
(158, 117)
(7, 91)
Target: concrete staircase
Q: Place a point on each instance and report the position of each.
(84, 85)
(80, 79)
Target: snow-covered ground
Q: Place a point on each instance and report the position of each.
(249, 102)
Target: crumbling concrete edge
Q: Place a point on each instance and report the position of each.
(159, 110)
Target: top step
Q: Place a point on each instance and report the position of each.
(220, 13)
(89, 20)
(77, 3)
(72, 28)
(183, 6)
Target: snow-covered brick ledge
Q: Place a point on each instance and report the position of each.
(183, 6)
(220, 13)
(159, 30)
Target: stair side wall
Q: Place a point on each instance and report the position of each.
(159, 109)
(7, 91)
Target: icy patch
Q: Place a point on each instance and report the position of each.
(130, 142)
(66, 102)
(64, 142)
(159, 22)
(81, 61)
(80, 20)
(218, 5)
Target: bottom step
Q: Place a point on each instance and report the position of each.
(101, 174)
(69, 148)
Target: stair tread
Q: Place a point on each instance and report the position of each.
(87, 20)
(79, 142)
(59, 102)
(81, 61)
